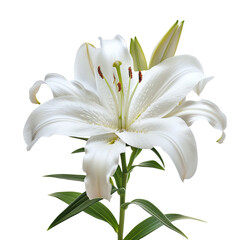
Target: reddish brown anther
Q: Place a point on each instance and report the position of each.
(130, 72)
(119, 86)
(139, 76)
(114, 78)
(100, 72)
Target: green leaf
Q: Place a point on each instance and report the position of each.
(134, 154)
(97, 210)
(79, 150)
(158, 155)
(80, 204)
(151, 224)
(167, 45)
(118, 177)
(139, 60)
(155, 212)
(73, 177)
(149, 164)
(80, 138)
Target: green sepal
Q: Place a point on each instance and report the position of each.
(155, 212)
(149, 164)
(167, 46)
(72, 177)
(78, 205)
(79, 150)
(97, 210)
(151, 224)
(139, 59)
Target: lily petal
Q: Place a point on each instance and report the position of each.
(201, 85)
(100, 163)
(84, 71)
(172, 135)
(111, 51)
(67, 116)
(60, 86)
(190, 111)
(164, 86)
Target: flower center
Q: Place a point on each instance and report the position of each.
(122, 95)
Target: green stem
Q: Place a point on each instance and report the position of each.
(122, 196)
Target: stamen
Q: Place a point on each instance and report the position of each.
(130, 72)
(100, 72)
(114, 78)
(139, 76)
(110, 89)
(119, 86)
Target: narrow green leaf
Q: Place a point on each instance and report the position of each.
(158, 155)
(97, 210)
(149, 164)
(151, 224)
(118, 177)
(73, 177)
(80, 138)
(78, 205)
(134, 154)
(139, 59)
(163, 45)
(79, 150)
(155, 212)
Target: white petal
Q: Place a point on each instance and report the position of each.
(111, 51)
(172, 135)
(34, 90)
(60, 86)
(67, 116)
(201, 85)
(84, 71)
(100, 163)
(164, 86)
(190, 111)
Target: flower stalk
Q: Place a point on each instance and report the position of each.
(122, 196)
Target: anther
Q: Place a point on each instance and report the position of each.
(119, 86)
(130, 72)
(114, 78)
(100, 72)
(139, 76)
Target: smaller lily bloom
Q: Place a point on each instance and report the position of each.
(115, 106)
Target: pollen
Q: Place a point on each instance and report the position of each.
(139, 76)
(112, 141)
(100, 72)
(119, 86)
(130, 72)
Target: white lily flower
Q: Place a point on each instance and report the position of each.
(113, 106)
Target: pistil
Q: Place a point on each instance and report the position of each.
(121, 122)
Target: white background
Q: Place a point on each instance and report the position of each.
(38, 37)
